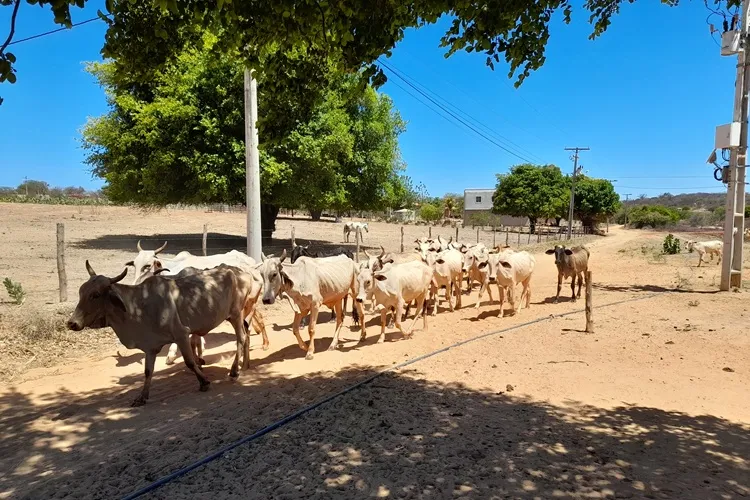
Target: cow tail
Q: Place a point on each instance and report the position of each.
(355, 312)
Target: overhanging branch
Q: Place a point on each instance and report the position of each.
(12, 27)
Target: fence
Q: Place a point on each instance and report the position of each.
(205, 243)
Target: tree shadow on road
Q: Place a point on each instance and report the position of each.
(401, 434)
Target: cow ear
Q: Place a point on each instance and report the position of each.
(116, 300)
(440, 261)
(568, 251)
(550, 251)
(286, 280)
(505, 265)
(380, 277)
(482, 265)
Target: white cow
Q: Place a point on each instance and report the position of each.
(351, 227)
(512, 268)
(446, 267)
(705, 247)
(309, 284)
(470, 263)
(393, 287)
(487, 263)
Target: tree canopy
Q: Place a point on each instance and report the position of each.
(595, 200)
(531, 191)
(143, 35)
(180, 138)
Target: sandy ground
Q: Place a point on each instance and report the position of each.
(652, 405)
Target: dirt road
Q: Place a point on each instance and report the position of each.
(654, 404)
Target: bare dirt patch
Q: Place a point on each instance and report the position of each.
(644, 407)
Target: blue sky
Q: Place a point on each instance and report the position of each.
(645, 97)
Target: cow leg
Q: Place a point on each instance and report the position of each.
(580, 282)
(719, 262)
(184, 344)
(172, 354)
(420, 305)
(434, 298)
(484, 286)
(197, 343)
(311, 331)
(149, 372)
(242, 341)
(559, 286)
(501, 298)
(295, 329)
(573, 287)
(391, 323)
(457, 290)
(259, 326)
(449, 295)
(399, 312)
(700, 259)
(383, 314)
(339, 324)
(527, 291)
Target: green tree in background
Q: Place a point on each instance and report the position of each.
(595, 200)
(181, 139)
(430, 212)
(530, 191)
(33, 188)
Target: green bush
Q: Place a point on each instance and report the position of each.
(430, 212)
(15, 291)
(671, 245)
(56, 201)
(653, 216)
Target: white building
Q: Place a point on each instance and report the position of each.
(480, 201)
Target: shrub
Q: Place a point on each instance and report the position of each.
(653, 216)
(15, 291)
(430, 212)
(671, 245)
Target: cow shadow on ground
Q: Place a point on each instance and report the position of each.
(215, 243)
(401, 432)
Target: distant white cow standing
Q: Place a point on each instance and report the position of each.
(705, 247)
(351, 227)
(514, 268)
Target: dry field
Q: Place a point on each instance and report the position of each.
(652, 405)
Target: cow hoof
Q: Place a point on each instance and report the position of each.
(139, 401)
(205, 386)
(332, 347)
(170, 361)
(234, 375)
(362, 338)
(265, 347)
(309, 356)
(201, 361)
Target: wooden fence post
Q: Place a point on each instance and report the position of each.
(528, 239)
(477, 234)
(519, 235)
(294, 241)
(205, 239)
(429, 231)
(456, 234)
(494, 237)
(538, 237)
(589, 305)
(402, 239)
(61, 276)
(507, 235)
(357, 237)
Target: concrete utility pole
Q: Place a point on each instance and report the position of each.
(252, 168)
(734, 222)
(573, 188)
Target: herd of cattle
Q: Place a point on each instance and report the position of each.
(178, 301)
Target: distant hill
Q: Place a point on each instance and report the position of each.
(708, 201)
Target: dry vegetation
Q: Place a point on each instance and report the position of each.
(652, 405)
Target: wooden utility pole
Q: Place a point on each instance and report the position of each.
(402, 239)
(589, 304)
(252, 167)
(358, 237)
(573, 187)
(734, 219)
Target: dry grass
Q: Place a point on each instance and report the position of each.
(32, 336)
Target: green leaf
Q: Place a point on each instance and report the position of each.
(11, 78)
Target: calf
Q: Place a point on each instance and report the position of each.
(487, 264)
(393, 287)
(705, 247)
(573, 262)
(351, 227)
(162, 310)
(308, 284)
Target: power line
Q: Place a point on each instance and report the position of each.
(40, 35)
(671, 188)
(401, 74)
(461, 120)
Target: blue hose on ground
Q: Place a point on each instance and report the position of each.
(289, 418)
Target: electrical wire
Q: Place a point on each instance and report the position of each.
(40, 35)
(458, 118)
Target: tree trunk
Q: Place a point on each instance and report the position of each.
(532, 225)
(588, 224)
(557, 221)
(315, 214)
(268, 214)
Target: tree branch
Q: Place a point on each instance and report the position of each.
(12, 27)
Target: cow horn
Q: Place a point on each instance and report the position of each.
(160, 248)
(283, 256)
(90, 269)
(139, 246)
(119, 277)
(366, 254)
(263, 257)
(382, 251)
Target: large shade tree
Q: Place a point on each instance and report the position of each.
(180, 138)
(145, 34)
(595, 200)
